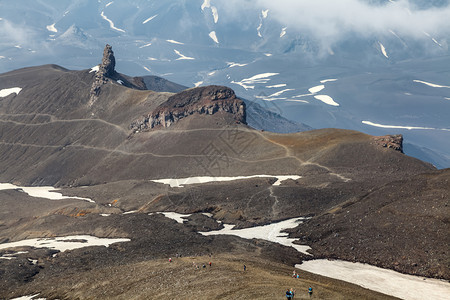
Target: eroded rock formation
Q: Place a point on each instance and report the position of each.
(203, 100)
(106, 69)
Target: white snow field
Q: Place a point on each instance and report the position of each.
(326, 99)
(149, 19)
(271, 232)
(388, 282)
(182, 56)
(52, 28)
(213, 36)
(174, 42)
(7, 92)
(95, 69)
(259, 78)
(383, 50)
(29, 297)
(64, 243)
(432, 84)
(403, 127)
(316, 89)
(111, 24)
(47, 192)
(328, 80)
(180, 182)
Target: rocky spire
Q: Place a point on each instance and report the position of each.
(105, 70)
(108, 62)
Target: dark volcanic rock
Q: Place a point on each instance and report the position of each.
(203, 100)
(390, 141)
(106, 69)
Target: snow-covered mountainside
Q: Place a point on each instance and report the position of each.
(375, 66)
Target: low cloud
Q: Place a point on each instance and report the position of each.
(331, 21)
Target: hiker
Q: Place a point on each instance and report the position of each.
(245, 267)
(210, 264)
(293, 274)
(292, 293)
(289, 294)
(170, 259)
(310, 292)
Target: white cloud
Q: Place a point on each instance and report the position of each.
(330, 21)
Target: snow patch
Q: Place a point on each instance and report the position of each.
(276, 85)
(182, 56)
(383, 50)
(174, 216)
(180, 182)
(316, 89)
(432, 84)
(215, 14)
(433, 39)
(328, 80)
(146, 45)
(47, 192)
(283, 32)
(109, 3)
(64, 243)
(260, 78)
(264, 13)
(213, 36)
(95, 69)
(105, 215)
(268, 54)
(52, 28)
(147, 69)
(296, 100)
(151, 58)
(326, 99)
(7, 92)
(388, 282)
(271, 232)
(29, 297)
(175, 42)
(233, 64)
(111, 24)
(149, 19)
(280, 92)
(197, 84)
(120, 81)
(402, 127)
(206, 4)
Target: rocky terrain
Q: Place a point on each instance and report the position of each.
(366, 201)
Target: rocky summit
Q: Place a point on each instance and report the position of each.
(203, 100)
(145, 179)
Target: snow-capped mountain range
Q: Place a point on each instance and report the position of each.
(374, 66)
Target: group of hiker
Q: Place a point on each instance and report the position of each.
(290, 293)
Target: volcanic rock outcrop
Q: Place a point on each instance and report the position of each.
(106, 69)
(203, 100)
(390, 141)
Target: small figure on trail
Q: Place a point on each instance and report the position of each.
(292, 293)
(310, 291)
(293, 274)
(298, 276)
(289, 295)
(210, 264)
(170, 259)
(245, 267)
(204, 266)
